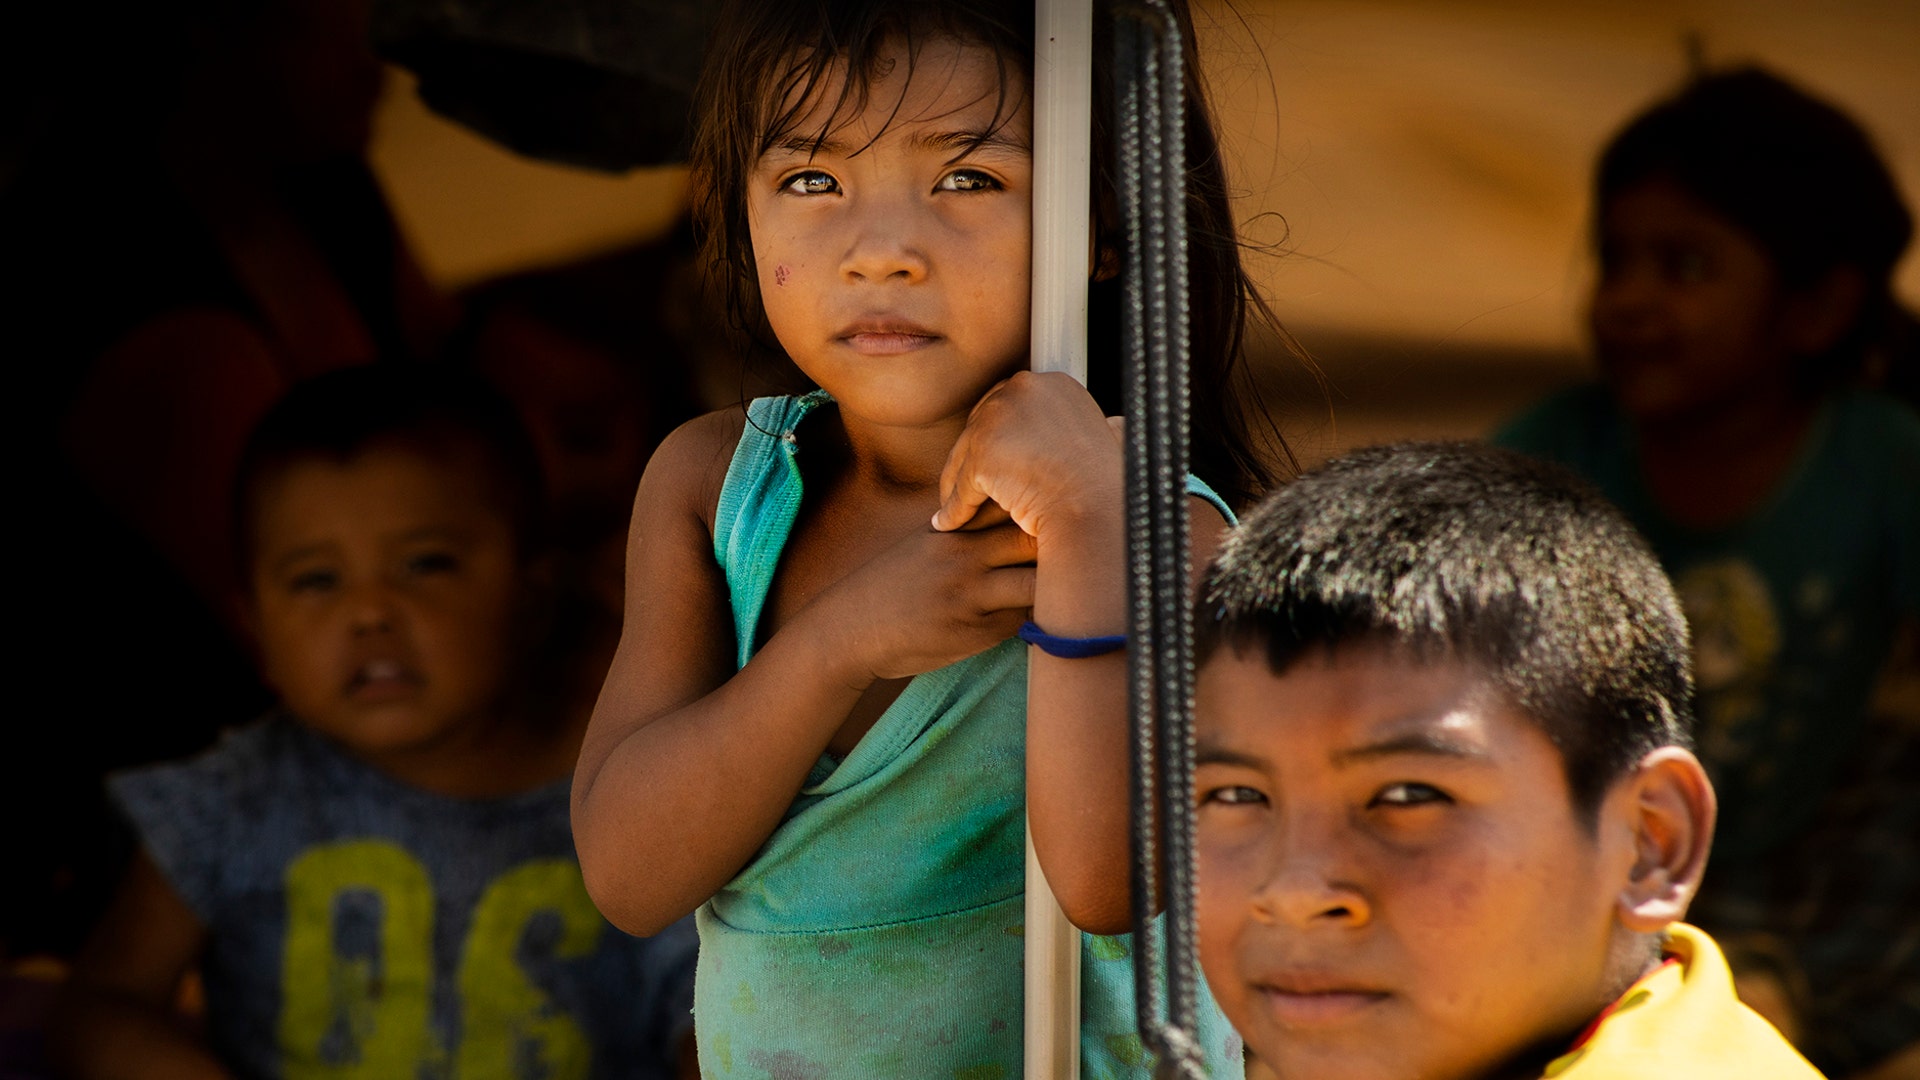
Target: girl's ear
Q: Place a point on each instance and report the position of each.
(1103, 260)
(1670, 807)
(1815, 318)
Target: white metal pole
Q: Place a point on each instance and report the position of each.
(1062, 228)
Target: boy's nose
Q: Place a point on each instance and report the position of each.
(1307, 883)
(372, 610)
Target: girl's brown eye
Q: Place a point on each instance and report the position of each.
(968, 180)
(811, 183)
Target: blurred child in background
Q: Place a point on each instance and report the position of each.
(379, 876)
(1747, 235)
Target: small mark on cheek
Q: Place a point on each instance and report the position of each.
(781, 273)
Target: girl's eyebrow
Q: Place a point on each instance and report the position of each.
(967, 142)
(959, 143)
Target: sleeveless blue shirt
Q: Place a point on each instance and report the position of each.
(878, 931)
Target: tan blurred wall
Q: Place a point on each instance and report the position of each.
(473, 209)
(1430, 159)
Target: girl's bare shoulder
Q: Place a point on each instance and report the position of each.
(688, 469)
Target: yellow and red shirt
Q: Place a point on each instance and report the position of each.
(1682, 1020)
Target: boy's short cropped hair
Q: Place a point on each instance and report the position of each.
(1459, 551)
(340, 415)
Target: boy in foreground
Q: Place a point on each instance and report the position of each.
(1448, 816)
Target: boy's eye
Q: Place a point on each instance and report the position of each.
(811, 182)
(967, 180)
(1233, 795)
(431, 562)
(310, 581)
(1409, 793)
(1687, 266)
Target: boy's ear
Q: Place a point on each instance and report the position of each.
(1670, 807)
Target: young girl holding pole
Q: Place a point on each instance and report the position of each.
(819, 729)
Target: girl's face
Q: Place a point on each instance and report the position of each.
(1688, 307)
(892, 258)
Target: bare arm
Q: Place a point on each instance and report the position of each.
(116, 1016)
(1056, 465)
(688, 766)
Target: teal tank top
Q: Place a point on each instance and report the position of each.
(877, 934)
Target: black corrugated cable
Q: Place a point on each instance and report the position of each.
(1150, 102)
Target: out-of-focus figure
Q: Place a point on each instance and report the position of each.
(1743, 313)
(189, 229)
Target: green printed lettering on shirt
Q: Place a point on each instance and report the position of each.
(509, 1026)
(366, 1016)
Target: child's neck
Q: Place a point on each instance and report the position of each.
(889, 461)
(1714, 467)
(490, 757)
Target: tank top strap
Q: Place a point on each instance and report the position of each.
(759, 501)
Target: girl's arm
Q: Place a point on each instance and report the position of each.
(1038, 446)
(116, 1019)
(688, 766)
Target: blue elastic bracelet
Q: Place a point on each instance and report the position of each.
(1070, 648)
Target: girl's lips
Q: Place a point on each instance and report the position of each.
(874, 343)
(886, 337)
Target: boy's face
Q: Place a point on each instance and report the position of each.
(1393, 879)
(384, 590)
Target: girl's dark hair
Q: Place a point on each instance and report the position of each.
(768, 60)
(1795, 173)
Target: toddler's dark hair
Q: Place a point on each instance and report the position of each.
(340, 415)
(770, 57)
(1792, 171)
(1458, 551)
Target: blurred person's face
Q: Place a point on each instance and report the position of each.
(1688, 310)
(1393, 879)
(384, 592)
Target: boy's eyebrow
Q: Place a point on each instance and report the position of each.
(1423, 743)
(1209, 753)
(286, 560)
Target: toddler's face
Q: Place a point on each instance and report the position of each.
(892, 260)
(384, 591)
(1392, 879)
(1686, 311)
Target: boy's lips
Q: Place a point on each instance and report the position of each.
(381, 680)
(885, 336)
(1311, 999)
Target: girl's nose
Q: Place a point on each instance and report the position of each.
(1625, 297)
(1308, 883)
(885, 246)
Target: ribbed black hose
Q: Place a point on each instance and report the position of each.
(1150, 99)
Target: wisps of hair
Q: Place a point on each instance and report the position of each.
(767, 67)
(1458, 551)
(769, 61)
